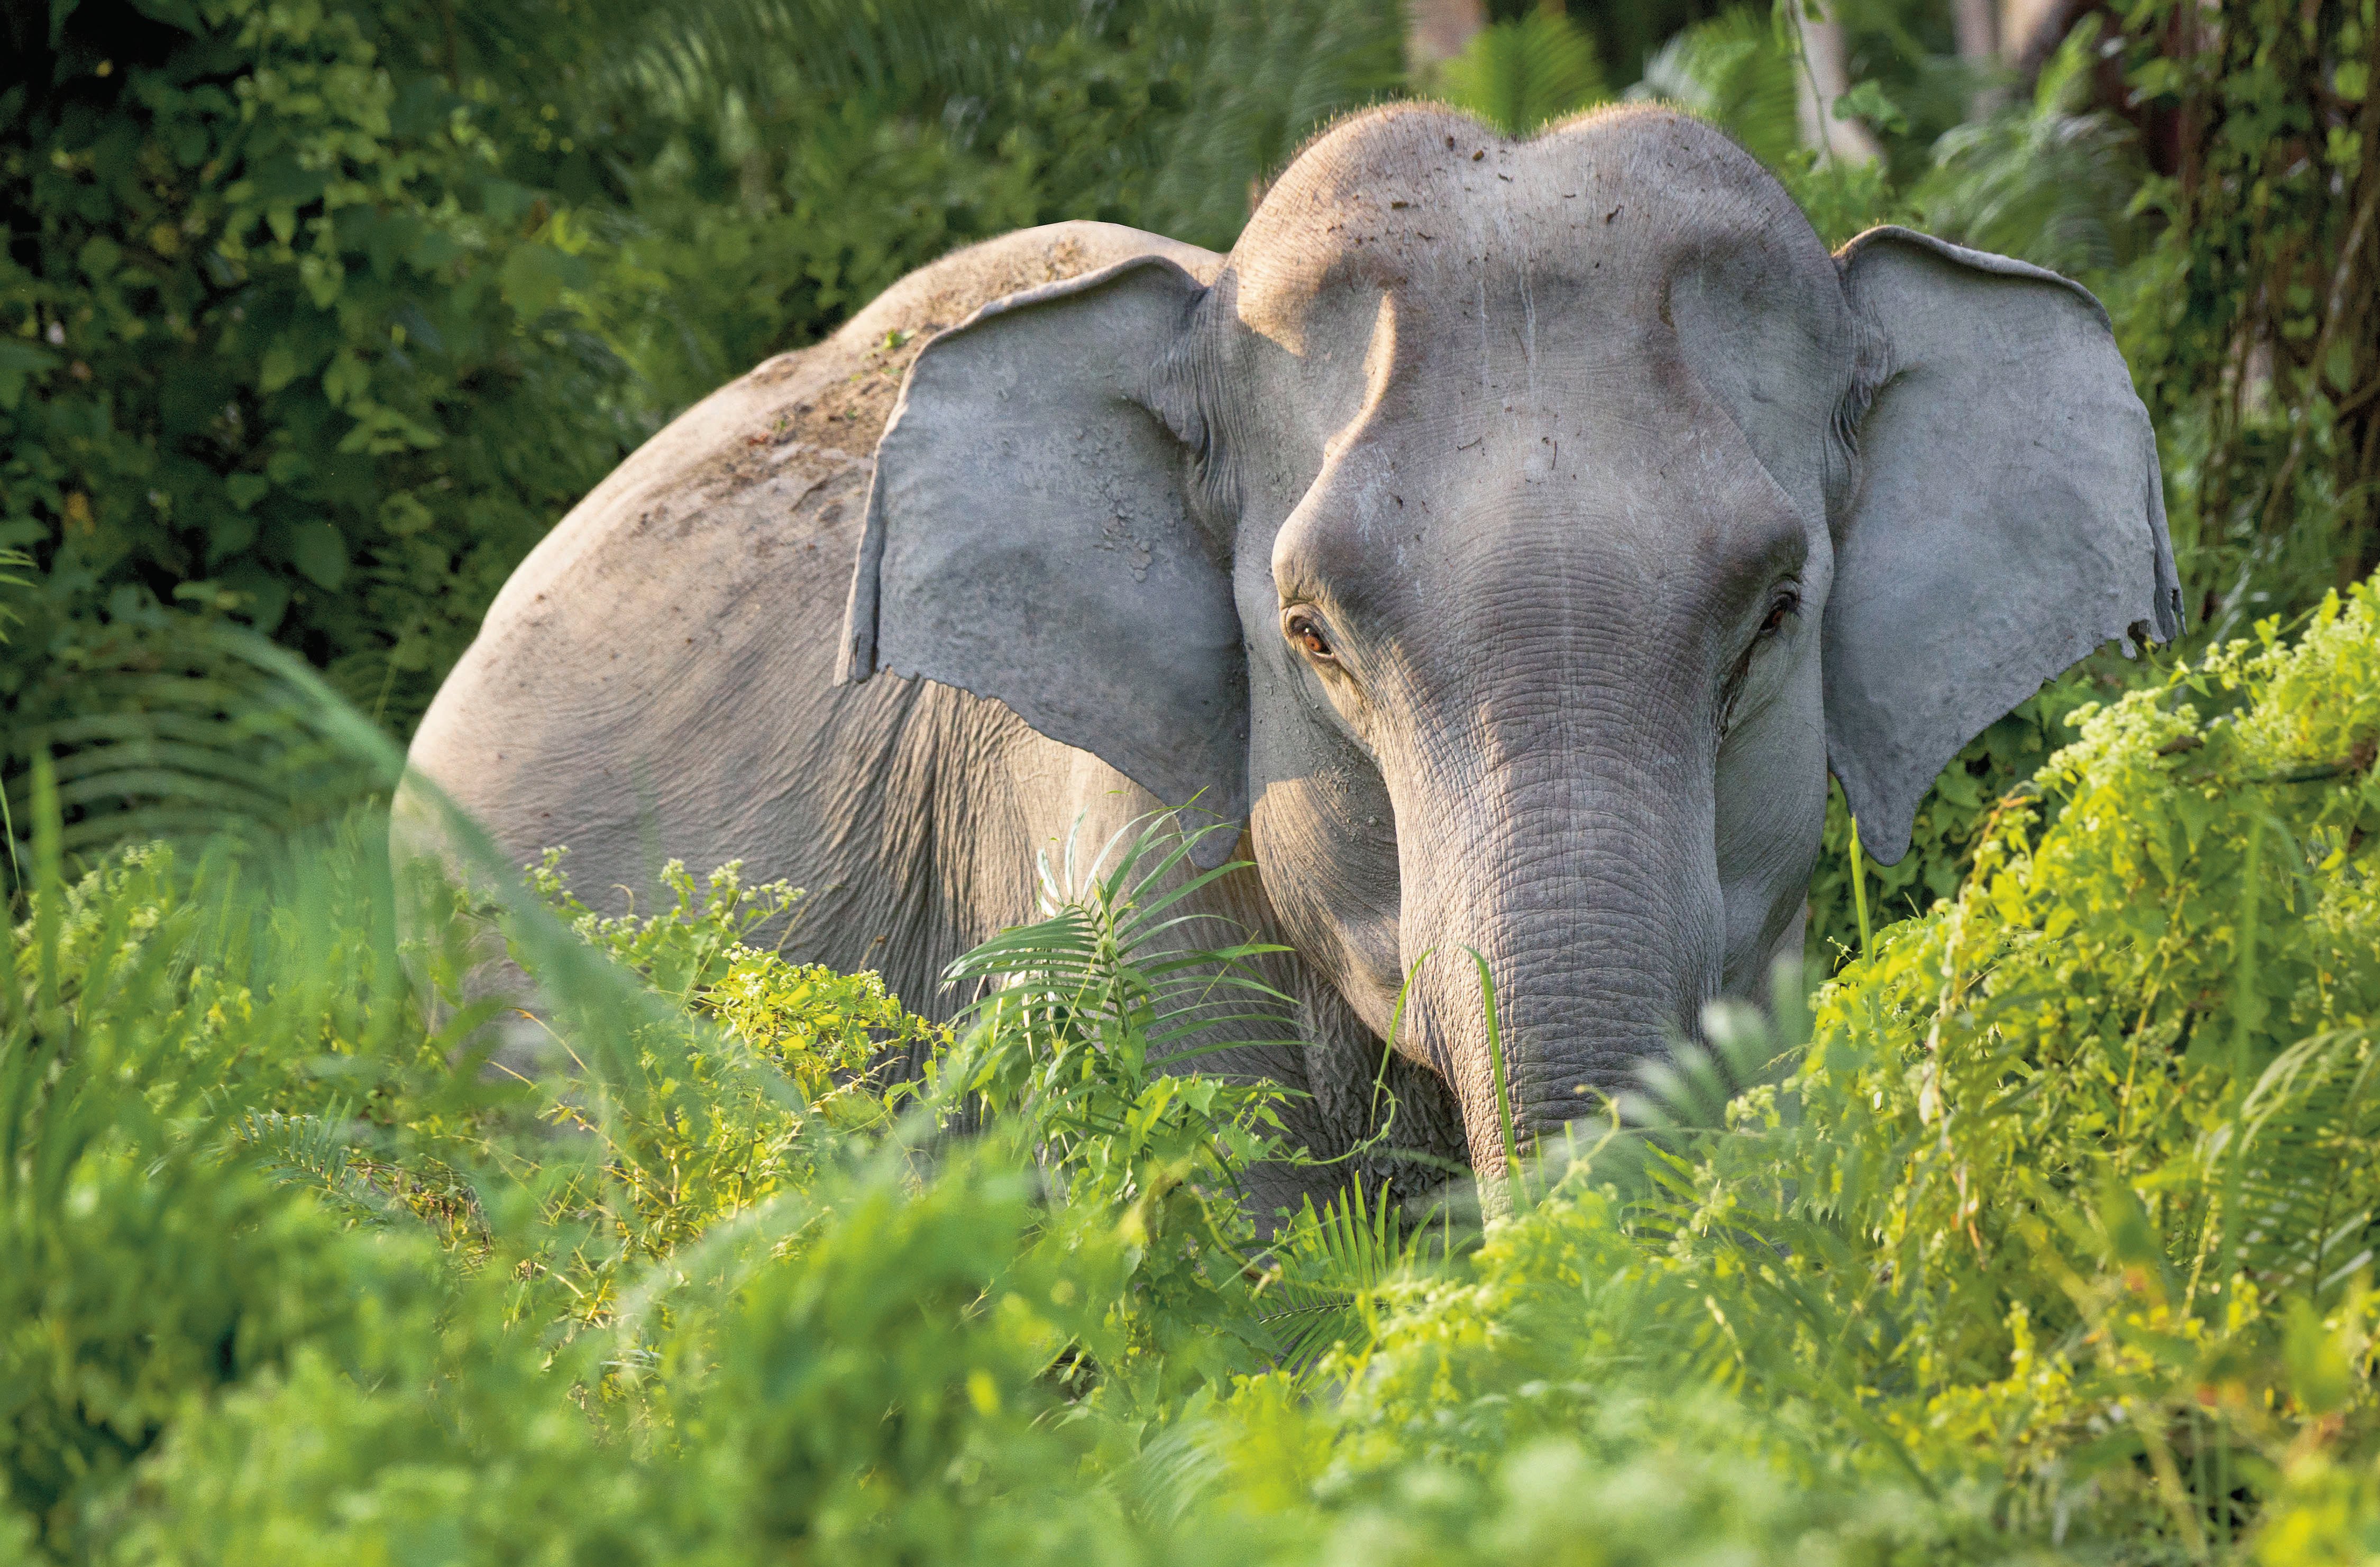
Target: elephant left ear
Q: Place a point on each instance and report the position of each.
(2008, 517)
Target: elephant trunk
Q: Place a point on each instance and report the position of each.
(1584, 876)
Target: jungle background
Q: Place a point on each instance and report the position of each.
(2044, 1232)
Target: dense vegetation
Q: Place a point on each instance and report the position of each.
(2051, 1234)
(2044, 1232)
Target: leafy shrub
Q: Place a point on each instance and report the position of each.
(136, 1267)
(1950, 823)
(286, 344)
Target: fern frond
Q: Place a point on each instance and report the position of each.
(2307, 1209)
(189, 733)
(315, 1151)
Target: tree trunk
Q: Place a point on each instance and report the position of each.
(1824, 76)
(1976, 25)
(1439, 28)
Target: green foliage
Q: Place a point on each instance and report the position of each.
(2052, 181)
(2249, 323)
(1086, 1010)
(1731, 71)
(2044, 1235)
(787, 163)
(139, 1265)
(1519, 75)
(1908, 85)
(285, 346)
(1950, 822)
(182, 730)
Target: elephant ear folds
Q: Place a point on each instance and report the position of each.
(2007, 517)
(1029, 537)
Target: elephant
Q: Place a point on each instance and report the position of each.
(1509, 536)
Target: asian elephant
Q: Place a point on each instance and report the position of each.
(1512, 534)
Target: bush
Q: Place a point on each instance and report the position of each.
(288, 344)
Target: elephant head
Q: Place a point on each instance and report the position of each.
(1516, 533)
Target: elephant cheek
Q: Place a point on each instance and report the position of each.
(1327, 858)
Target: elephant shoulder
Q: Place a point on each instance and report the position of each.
(945, 291)
(783, 441)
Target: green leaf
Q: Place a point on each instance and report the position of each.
(317, 552)
(231, 532)
(99, 257)
(1519, 75)
(505, 200)
(19, 362)
(279, 368)
(2339, 366)
(1868, 102)
(534, 277)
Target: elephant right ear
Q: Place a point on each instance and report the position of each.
(1030, 537)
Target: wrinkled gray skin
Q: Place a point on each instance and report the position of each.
(1512, 534)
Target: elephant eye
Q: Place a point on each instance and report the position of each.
(1778, 612)
(1302, 631)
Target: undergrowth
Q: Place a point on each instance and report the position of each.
(2044, 1231)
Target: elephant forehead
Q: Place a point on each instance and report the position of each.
(1593, 219)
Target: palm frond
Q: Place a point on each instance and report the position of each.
(1731, 71)
(1264, 78)
(2049, 182)
(1519, 75)
(921, 52)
